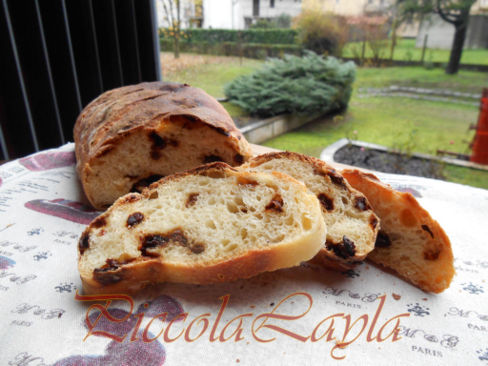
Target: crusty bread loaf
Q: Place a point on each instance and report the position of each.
(351, 224)
(211, 224)
(136, 134)
(410, 242)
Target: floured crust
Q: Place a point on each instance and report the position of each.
(352, 225)
(154, 122)
(133, 268)
(410, 242)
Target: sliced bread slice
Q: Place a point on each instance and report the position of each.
(410, 242)
(352, 226)
(211, 224)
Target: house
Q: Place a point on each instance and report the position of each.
(241, 14)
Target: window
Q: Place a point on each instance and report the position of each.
(255, 8)
(271, 3)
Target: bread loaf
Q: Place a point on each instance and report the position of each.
(136, 134)
(410, 242)
(351, 224)
(211, 224)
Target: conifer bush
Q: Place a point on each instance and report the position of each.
(303, 85)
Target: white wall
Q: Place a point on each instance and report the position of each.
(440, 33)
(224, 14)
(229, 14)
(290, 7)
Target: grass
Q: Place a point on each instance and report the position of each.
(213, 73)
(406, 51)
(389, 122)
(209, 73)
(471, 177)
(464, 81)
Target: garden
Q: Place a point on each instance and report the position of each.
(399, 123)
(410, 109)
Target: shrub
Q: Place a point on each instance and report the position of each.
(251, 50)
(321, 32)
(281, 21)
(263, 24)
(267, 36)
(309, 84)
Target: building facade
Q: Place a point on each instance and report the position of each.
(240, 14)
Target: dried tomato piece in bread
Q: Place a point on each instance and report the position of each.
(410, 242)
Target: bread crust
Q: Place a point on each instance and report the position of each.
(144, 271)
(434, 272)
(120, 113)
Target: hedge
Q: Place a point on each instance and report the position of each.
(263, 36)
(250, 50)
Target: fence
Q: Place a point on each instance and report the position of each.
(57, 55)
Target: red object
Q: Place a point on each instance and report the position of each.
(480, 144)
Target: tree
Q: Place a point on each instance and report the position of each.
(172, 12)
(321, 31)
(455, 12)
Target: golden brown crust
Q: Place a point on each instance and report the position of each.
(320, 167)
(117, 113)
(122, 112)
(140, 274)
(437, 253)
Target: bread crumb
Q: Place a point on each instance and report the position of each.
(396, 296)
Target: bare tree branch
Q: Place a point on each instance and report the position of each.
(178, 17)
(445, 16)
(169, 15)
(172, 14)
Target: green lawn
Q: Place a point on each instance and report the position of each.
(406, 51)
(403, 124)
(464, 81)
(213, 77)
(471, 177)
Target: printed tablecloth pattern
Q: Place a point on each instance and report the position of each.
(297, 316)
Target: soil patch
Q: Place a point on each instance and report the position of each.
(389, 162)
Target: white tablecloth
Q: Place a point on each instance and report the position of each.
(298, 316)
